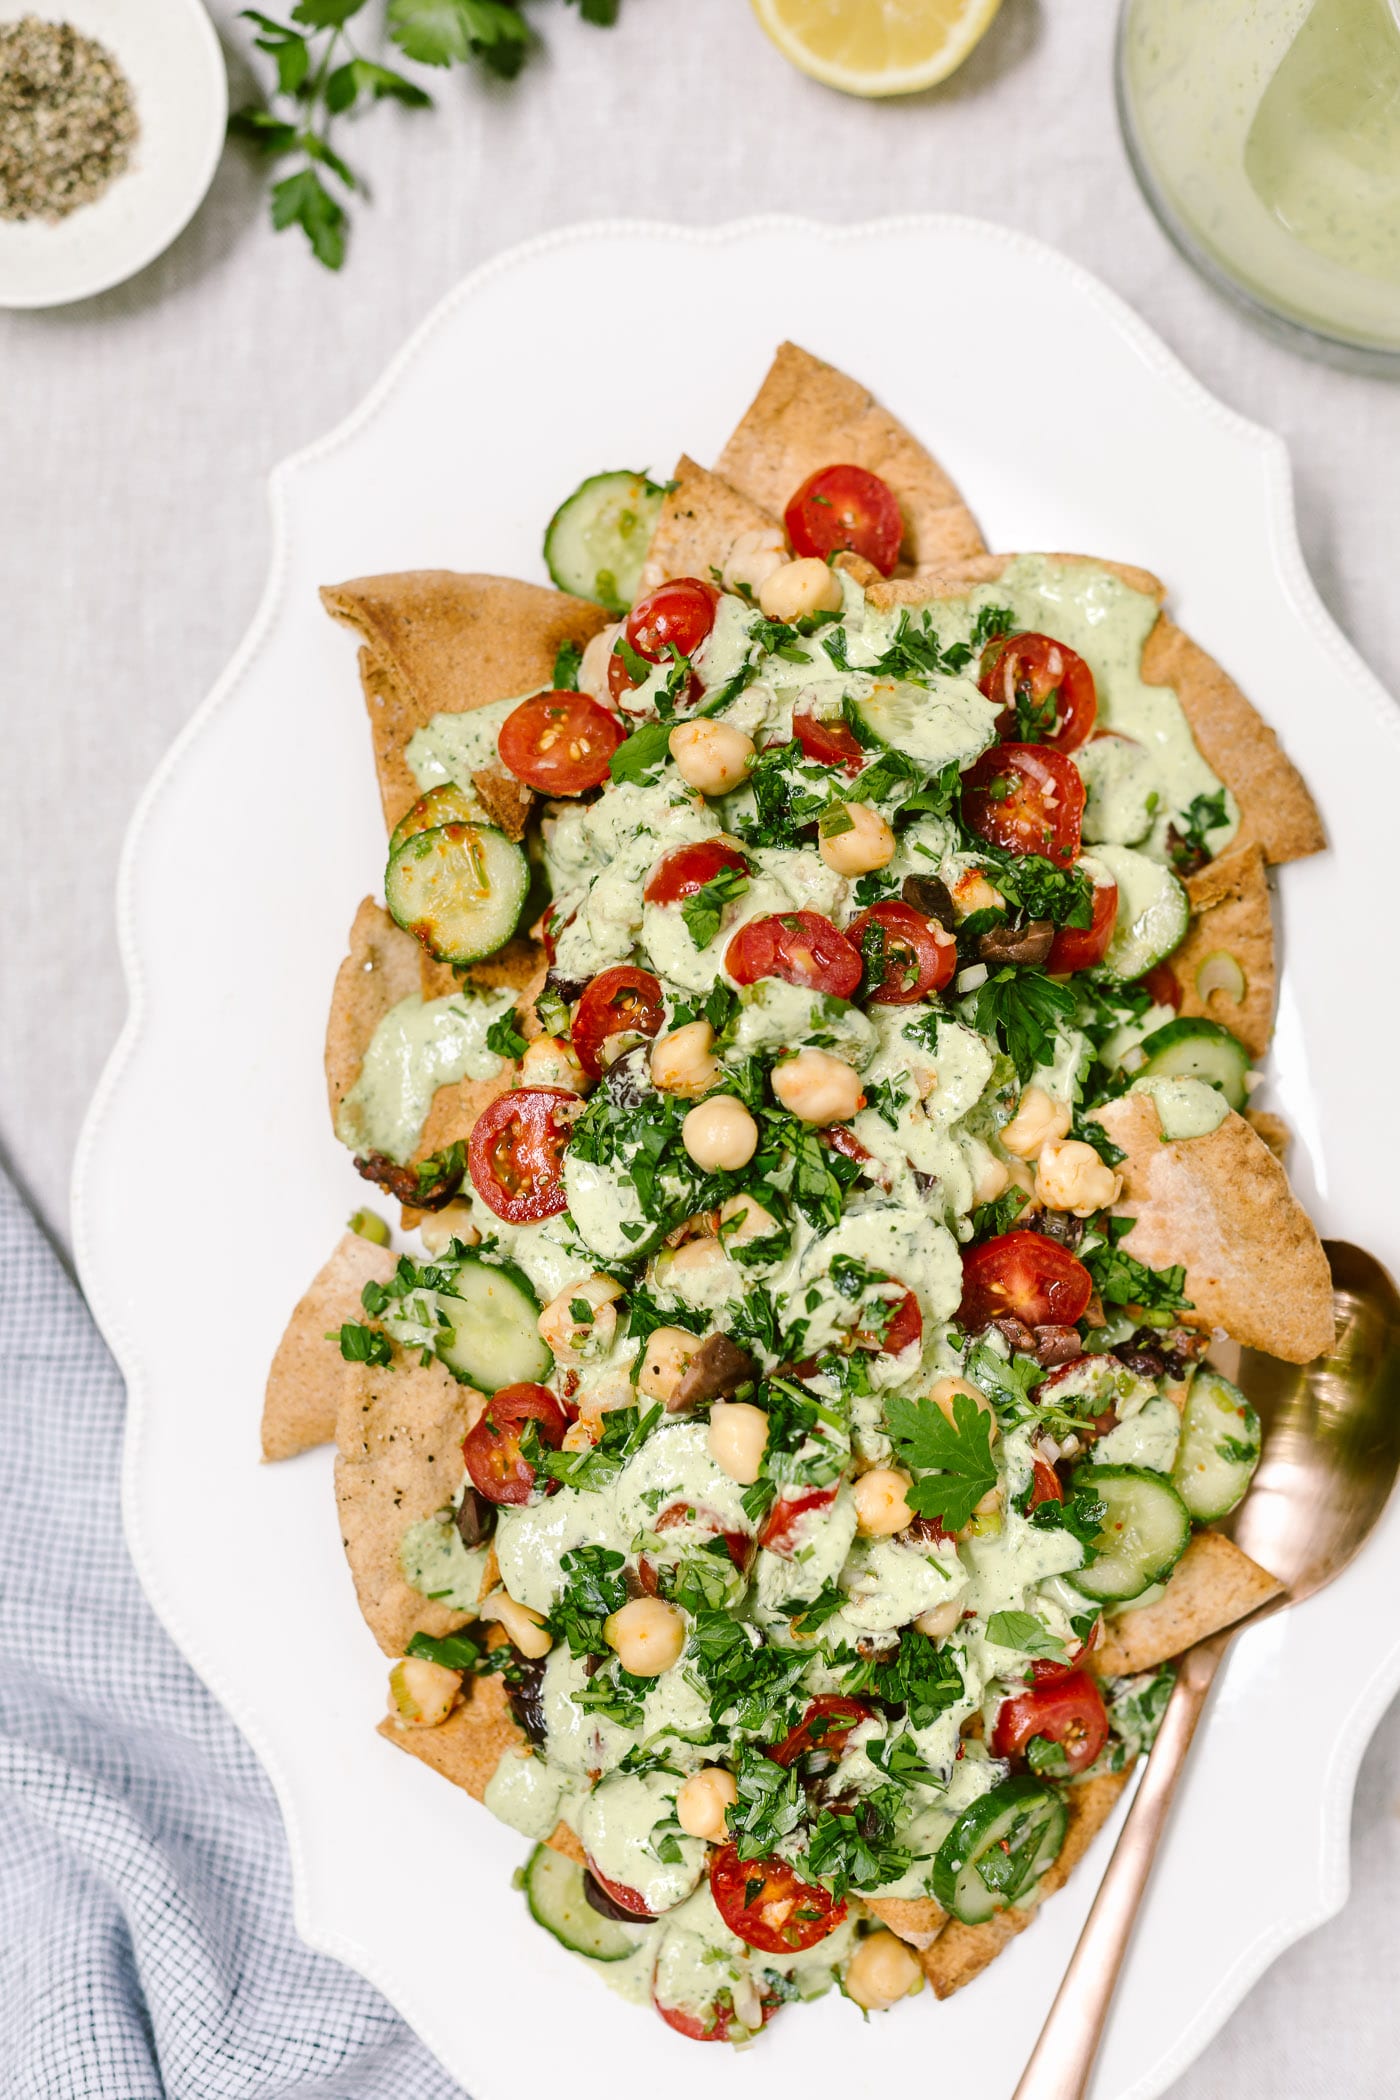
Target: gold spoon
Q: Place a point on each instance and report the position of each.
(1330, 1459)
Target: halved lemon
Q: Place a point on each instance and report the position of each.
(876, 47)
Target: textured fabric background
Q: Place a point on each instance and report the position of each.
(136, 432)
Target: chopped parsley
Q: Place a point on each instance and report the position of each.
(504, 1037)
(362, 1345)
(1120, 1280)
(1024, 1010)
(566, 662)
(594, 1588)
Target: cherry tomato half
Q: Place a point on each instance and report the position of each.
(1054, 687)
(1026, 1274)
(621, 1001)
(906, 956)
(846, 509)
(676, 615)
(686, 869)
(828, 743)
(1081, 947)
(826, 1725)
(1069, 1711)
(1045, 1484)
(904, 1326)
(675, 1515)
(801, 947)
(780, 1526)
(515, 1154)
(768, 1904)
(715, 2023)
(491, 1447)
(559, 743)
(1026, 798)
(1161, 985)
(625, 1898)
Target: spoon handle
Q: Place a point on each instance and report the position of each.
(1063, 2058)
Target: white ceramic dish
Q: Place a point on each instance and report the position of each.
(171, 56)
(208, 1187)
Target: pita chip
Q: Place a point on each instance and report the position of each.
(808, 415)
(1220, 1205)
(699, 521)
(308, 1373)
(1231, 914)
(917, 1919)
(467, 1747)
(436, 642)
(1211, 1586)
(399, 1434)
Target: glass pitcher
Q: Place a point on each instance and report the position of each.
(1266, 137)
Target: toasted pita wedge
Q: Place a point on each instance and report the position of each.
(439, 643)
(1221, 1206)
(308, 1373)
(807, 415)
(1231, 911)
(380, 968)
(1276, 811)
(961, 1952)
(398, 1434)
(1273, 1129)
(917, 1919)
(1211, 1586)
(506, 800)
(467, 1747)
(698, 524)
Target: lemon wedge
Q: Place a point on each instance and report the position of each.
(876, 47)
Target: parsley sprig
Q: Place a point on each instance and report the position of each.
(951, 1462)
(321, 76)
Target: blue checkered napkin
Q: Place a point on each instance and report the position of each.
(146, 1941)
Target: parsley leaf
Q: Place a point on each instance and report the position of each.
(504, 1037)
(1188, 847)
(566, 662)
(1023, 1009)
(362, 1345)
(643, 754)
(455, 1651)
(1022, 1630)
(951, 1462)
(702, 912)
(772, 1803)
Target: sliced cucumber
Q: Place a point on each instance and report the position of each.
(1143, 1537)
(999, 1848)
(1194, 1048)
(1219, 1447)
(493, 1338)
(937, 724)
(447, 804)
(554, 1892)
(597, 540)
(460, 888)
(1153, 912)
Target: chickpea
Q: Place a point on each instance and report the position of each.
(693, 1259)
(720, 1134)
(646, 1636)
(853, 838)
(741, 1219)
(945, 1391)
(703, 1800)
(972, 892)
(574, 1335)
(818, 1087)
(1038, 1116)
(682, 1063)
(550, 1061)
(1069, 1175)
(939, 1620)
(992, 1177)
(881, 1508)
(882, 1970)
(712, 757)
(753, 558)
(453, 1222)
(799, 588)
(421, 1693)
(525, 1629)
(737, 1439)
(666, 1361)
(593, 667)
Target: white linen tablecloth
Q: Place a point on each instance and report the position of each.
(137, 431)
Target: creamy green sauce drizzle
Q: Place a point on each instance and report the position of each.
(419, 1046)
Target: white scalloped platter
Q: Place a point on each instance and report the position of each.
(619, 345)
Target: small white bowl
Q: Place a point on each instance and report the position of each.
(171, 56)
